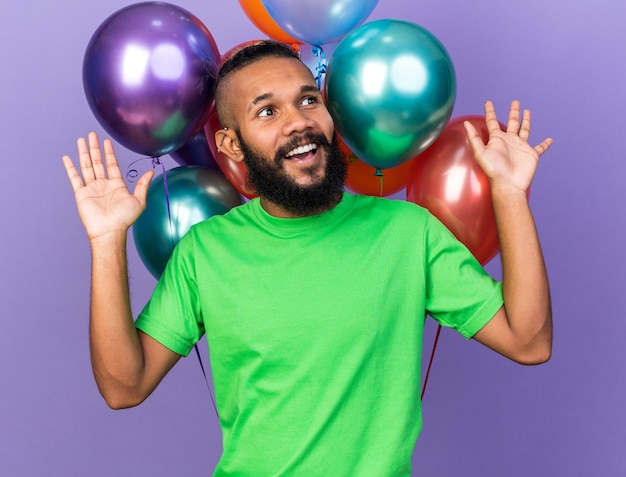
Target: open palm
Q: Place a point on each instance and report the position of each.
(507, 158)
(105, 204)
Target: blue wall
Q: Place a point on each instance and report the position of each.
(483, 415)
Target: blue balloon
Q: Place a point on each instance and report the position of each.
(390, 87)
(148, 75)
(195, 152)
(194, 194)
(319, 21)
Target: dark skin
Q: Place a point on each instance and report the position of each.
(270, 101)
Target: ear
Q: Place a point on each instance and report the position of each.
(227, 143)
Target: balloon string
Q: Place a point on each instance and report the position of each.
(132, 174)
(432, 355)
(206, 380)
(380, 175)
(157, 162)
(321, 64)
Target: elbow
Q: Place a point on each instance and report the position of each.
(119, 394)
(121, 399)
(118, 404)
(537, 348)
(534, 360)
(534, 356)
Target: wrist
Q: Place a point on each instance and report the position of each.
(109, 240)
(508, 194)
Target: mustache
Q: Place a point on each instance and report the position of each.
(297, 141)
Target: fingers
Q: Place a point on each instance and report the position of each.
(90, 160)
(96, 156)
(544, 146)
(112, 167)
(72, 173)
(518, 122)
(524, 130)
(141, 188)
(475, 141)
(84, 160)
(491, 121)
(513, 123)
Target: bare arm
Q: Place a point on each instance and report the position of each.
(522, 329)
(127, 364)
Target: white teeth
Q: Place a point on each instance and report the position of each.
(301, 150)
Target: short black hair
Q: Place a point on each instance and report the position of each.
(245, 56)
(254, 52)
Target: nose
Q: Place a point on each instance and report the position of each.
(296, 120)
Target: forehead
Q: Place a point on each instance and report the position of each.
(269, 77)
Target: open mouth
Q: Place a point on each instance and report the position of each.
(301, 152)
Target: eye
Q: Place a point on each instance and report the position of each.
(265, 112)
(308, 100)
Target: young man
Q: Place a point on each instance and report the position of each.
(313, 301)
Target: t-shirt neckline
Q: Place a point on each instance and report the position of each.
(300, 224)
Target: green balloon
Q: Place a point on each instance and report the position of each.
(390, 87)
(194, 194)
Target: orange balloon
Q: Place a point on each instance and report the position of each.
(362, 177)
(257, 13)
(447, 180)
(235, 172)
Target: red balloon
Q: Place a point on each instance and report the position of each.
(447, 180)
(235, 172)
(362, 177)
(226, 56)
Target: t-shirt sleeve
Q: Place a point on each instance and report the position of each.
(173, 315)
(459, 293)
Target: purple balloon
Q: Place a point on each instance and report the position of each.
(148, 74)
(195, 152)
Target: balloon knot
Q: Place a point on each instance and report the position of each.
(321, 64)
(379, 172)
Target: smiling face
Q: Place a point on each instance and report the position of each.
(283, 131)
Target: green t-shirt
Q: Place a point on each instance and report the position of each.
(315, 328)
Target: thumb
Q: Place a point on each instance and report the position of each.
(474, 139)
(143, 184)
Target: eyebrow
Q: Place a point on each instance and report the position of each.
(303, 89)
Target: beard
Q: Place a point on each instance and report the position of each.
(270, 181)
